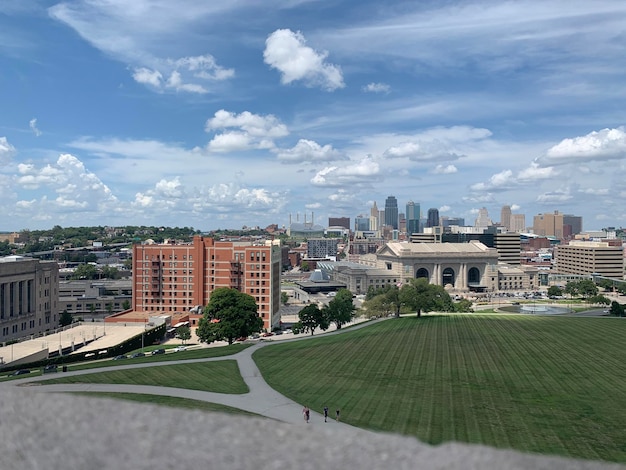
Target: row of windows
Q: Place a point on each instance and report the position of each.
(158, 257)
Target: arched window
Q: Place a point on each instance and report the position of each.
(422, 272)
(473, 276)
(448, 277)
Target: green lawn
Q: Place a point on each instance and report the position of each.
(172, 402)
(542, 384)
(220, 376)
(183, 355)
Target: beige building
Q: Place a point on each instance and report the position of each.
(587, 257)
(548, 225)
(518, 223)
(459, 266)
(29, 289)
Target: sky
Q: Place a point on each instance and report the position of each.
(245, 113)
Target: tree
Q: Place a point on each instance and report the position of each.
(312, 317)
(340, 310)
(284, 298)
(229, 315)
(463, 306)
(85, 271)
(555, 291)
(304, 266)
(379, 305)
(420, 296)
(616, 309)
(109, 308)
(65, 318)
(183, 333)
(110, 272)
(585, 288)
(599, 300)
(126, 304)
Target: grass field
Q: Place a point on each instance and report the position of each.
(554, 385)
(220, 376)
(172, 402)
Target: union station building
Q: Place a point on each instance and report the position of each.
(459, 267)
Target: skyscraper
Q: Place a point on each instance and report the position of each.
(391, 212)
(412, 217)
(483, 219)
(433, 218)
(505, 217)
(374, 217)
(548, 225)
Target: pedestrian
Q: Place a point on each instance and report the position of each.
(337, 413)
(306, 413)
(325, 414)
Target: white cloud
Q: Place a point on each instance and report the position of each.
(253, 124)
(33, 126)
(556, 196)
(137, 33)
(253, 131)
(603, 145)
(444, 209)
(287, 52)
(364, 171)
(65, 187)
(188, 74)
(534, 173)
(6, 151)
(308, 151)
(444, 170)
(148, 77)
(595, 192)
(376, 88)
(505, 179)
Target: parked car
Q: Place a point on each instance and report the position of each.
(180, 348)
(137, 354)
(278, 332)
(158, 351)
(50, 368)
(120, 357)
(21, 372)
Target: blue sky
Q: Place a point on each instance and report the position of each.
(224, 114)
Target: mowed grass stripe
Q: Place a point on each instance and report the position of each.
(218, 376)
(529, 382)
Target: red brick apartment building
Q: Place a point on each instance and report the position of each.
(175, 278)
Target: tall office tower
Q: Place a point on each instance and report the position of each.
(548, 225)
(391, 212)
(433, 218)
(505, 217)
(483, 220)
(362, 224)
(518, 223)
(374, 217)
(575, 222)
(412, 217)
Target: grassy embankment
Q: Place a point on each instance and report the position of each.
(534, 383)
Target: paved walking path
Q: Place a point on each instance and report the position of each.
(261, 399)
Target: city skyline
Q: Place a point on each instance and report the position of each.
(223, 115)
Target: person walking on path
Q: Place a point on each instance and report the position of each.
(306, 414)
(325, 414)
(337, 413)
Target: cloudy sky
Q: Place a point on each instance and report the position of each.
(223, 114)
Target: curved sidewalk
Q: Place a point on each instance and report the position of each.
(261, 399)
